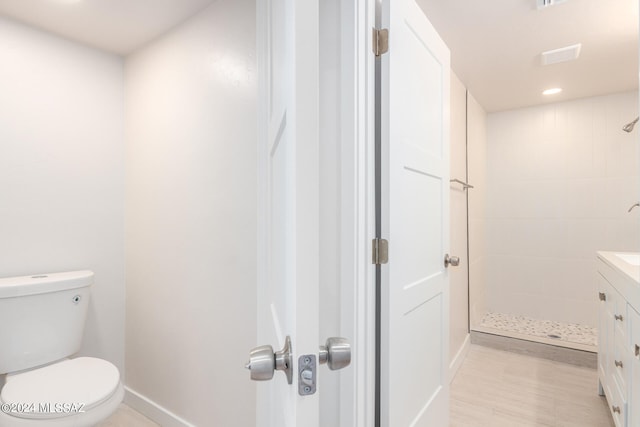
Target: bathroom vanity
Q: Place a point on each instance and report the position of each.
(619, 335)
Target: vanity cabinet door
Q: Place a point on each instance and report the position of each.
(605, 332)
(634, 356)
(621, 367)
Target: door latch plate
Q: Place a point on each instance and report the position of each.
(307, 374)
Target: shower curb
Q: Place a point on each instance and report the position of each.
(571, 356)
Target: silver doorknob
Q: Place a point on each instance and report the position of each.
(453, 260)
(263, 362)
(336, 353)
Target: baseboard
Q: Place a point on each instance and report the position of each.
(152, 410)
(459, 358)
(582, 358)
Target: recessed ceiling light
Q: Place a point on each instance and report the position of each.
(552, 91)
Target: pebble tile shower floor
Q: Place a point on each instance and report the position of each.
(569, 332)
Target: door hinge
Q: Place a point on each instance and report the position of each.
(380, 41)
(380, 251)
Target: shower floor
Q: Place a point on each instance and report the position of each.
(547, 331)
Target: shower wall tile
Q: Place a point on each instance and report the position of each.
(520, 199)
(477, 238)
(586, 236)
(579, 198)
(576, 279)
(527, 237)
(477, 174)
(560, 178)
(477, 290)
(614, 196)
(542, 307)
(570, 310)
(622, 235)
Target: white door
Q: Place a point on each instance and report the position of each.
(415, 220)
(288, 249)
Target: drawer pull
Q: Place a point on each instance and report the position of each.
(615, 409)
(637, 350)
(618, 364)
(603, 296)
(619, 317)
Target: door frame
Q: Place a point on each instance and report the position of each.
(359, 192)
(357, 273)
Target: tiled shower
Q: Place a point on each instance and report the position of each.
(553, 185)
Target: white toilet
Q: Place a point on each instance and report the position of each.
(41, 324)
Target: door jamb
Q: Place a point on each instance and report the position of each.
(358, 308)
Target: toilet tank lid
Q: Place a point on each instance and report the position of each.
(11, 287)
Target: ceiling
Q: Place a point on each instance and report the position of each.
(118, 26)
(496, 45)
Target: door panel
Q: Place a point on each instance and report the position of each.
(415, 219)
(288, 216)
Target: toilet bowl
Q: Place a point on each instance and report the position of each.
(41, 324)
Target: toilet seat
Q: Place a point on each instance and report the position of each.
(63, 389)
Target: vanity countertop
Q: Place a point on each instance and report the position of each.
(626, 262)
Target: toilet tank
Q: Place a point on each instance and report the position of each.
(42, 318)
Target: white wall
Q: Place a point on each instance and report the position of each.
(477, 166)
(191, 218)
(458, 276)
(62, 171)
(560, 180)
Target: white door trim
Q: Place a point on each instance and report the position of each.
(358, 202)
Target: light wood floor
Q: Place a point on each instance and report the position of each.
(494, 388)
(127, 417)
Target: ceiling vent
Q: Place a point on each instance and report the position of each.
(546, 3)
(563, 54)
